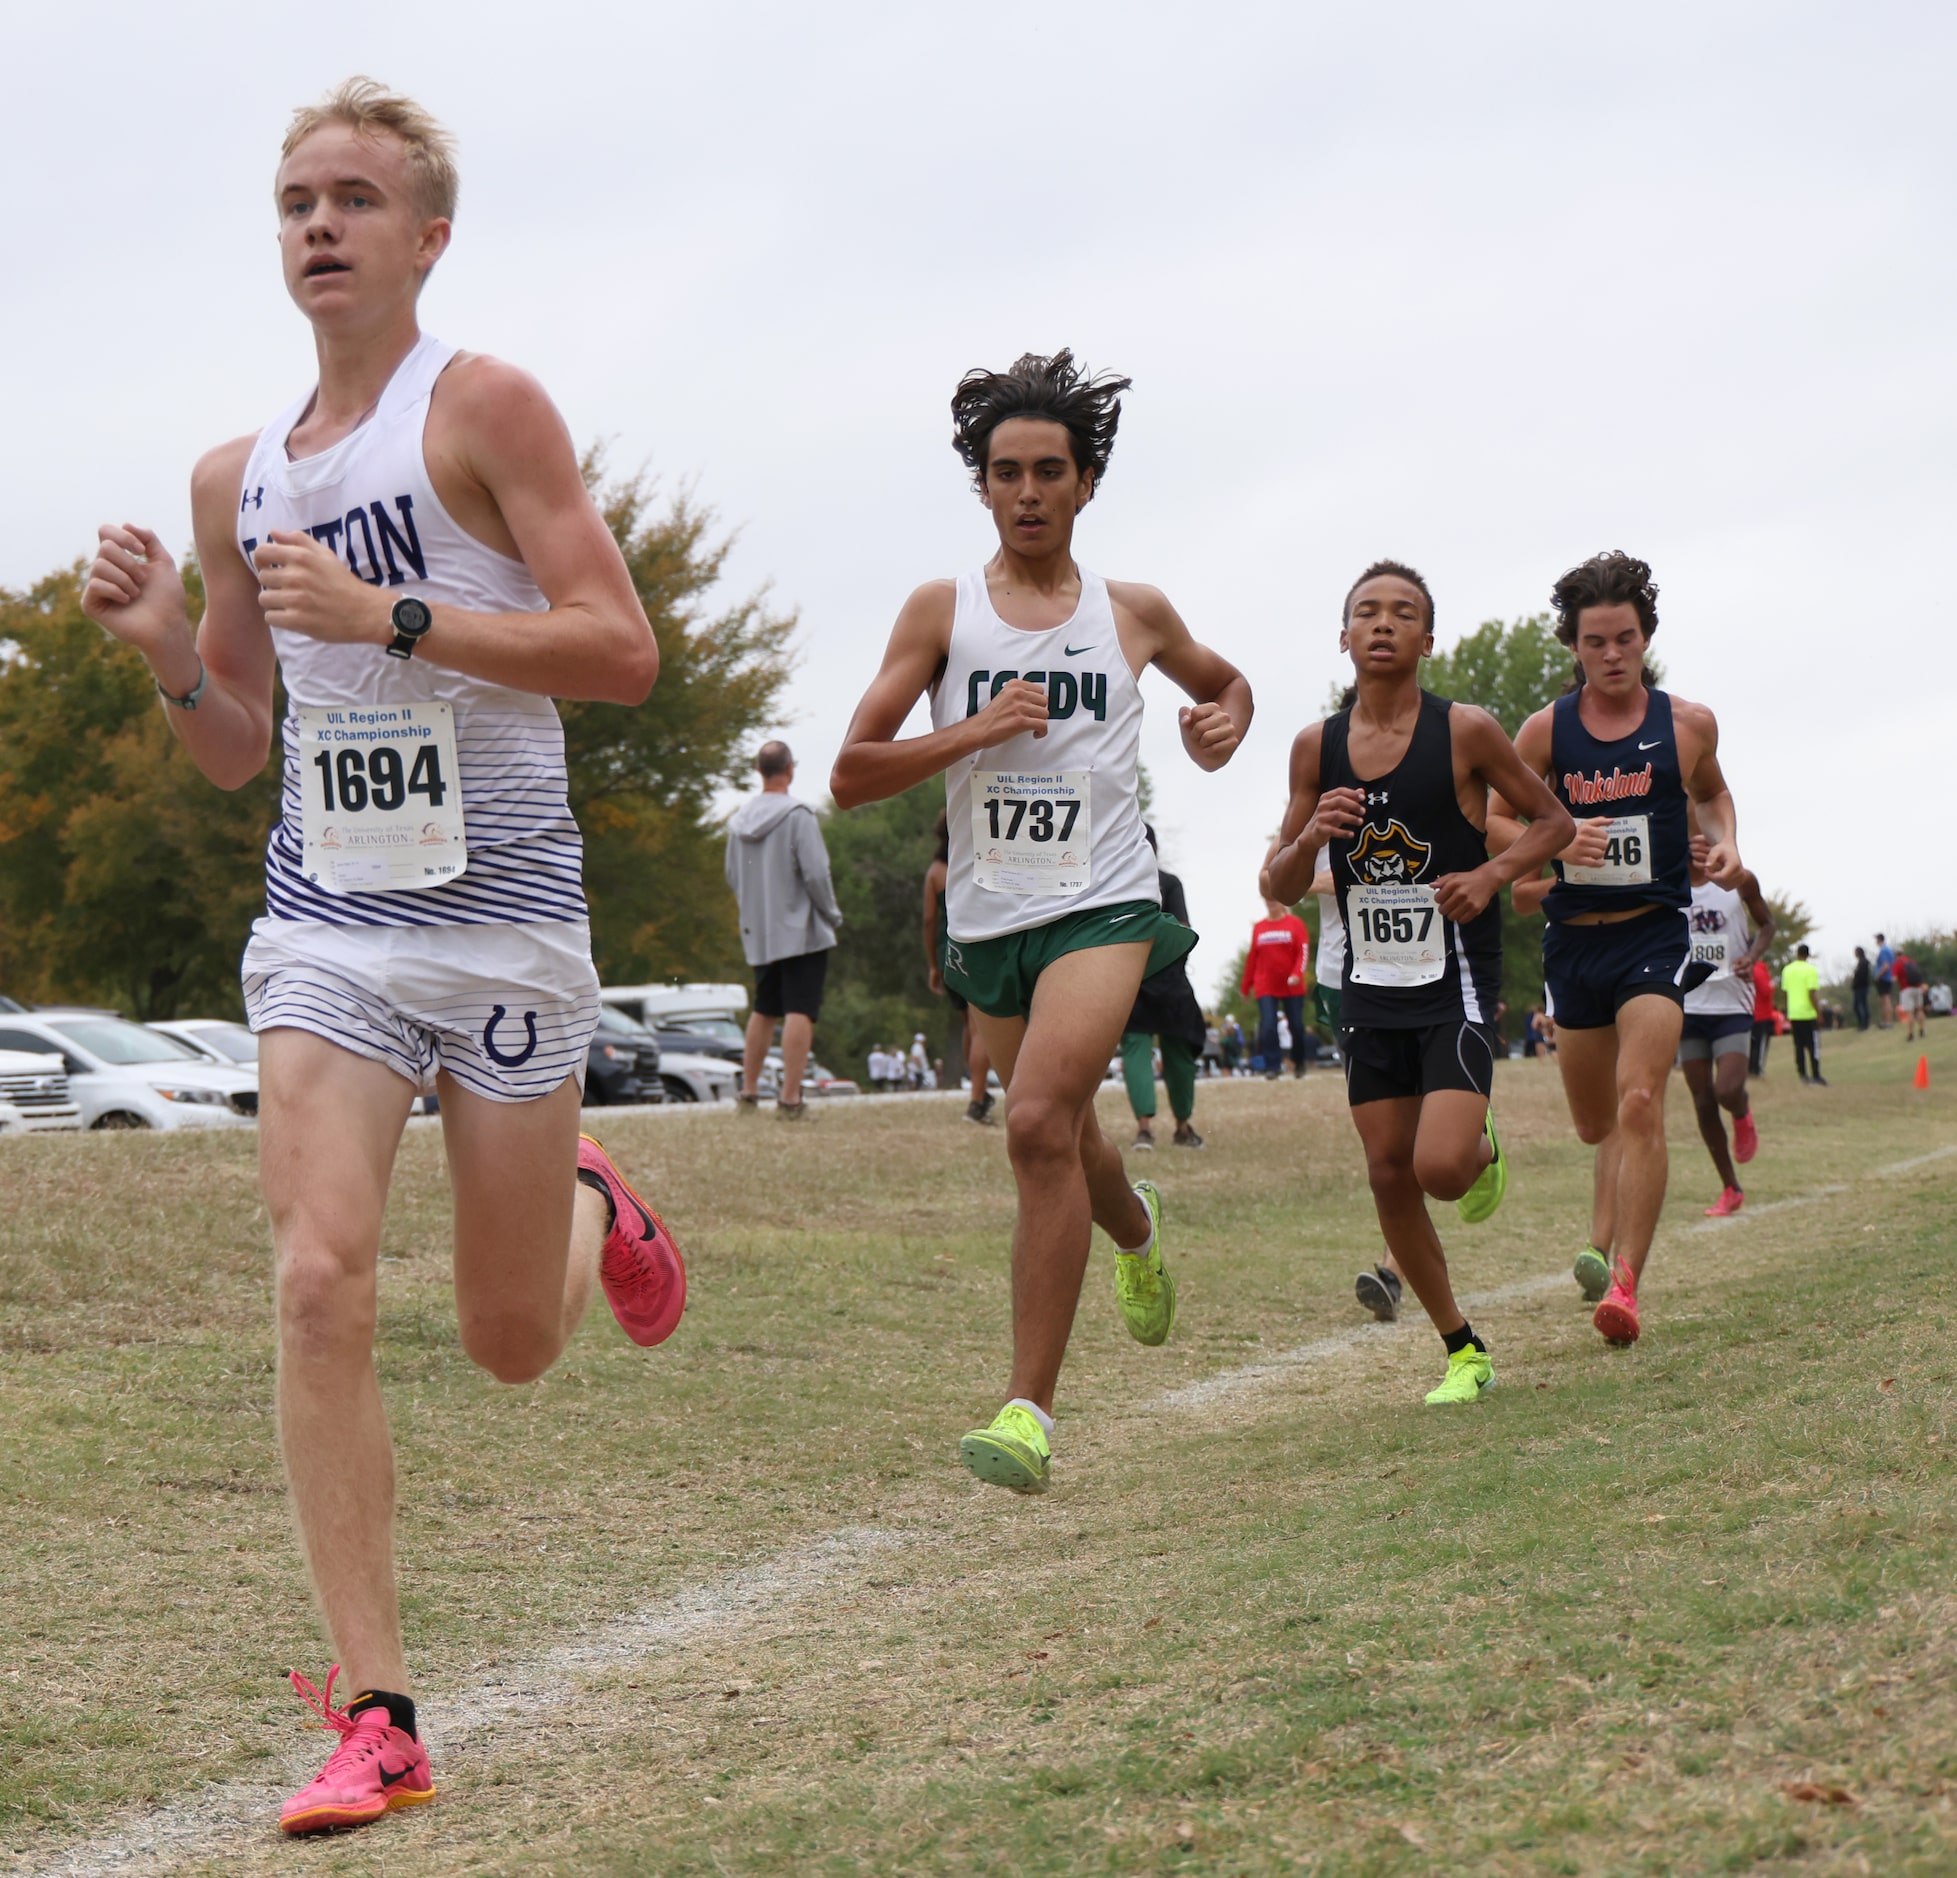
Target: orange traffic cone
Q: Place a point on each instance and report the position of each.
(1922, 1078)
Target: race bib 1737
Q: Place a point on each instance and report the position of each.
(1032, 831)
(382, 797)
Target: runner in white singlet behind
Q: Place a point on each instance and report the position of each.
(412, 547)
(1033, 667)
(1731, 927)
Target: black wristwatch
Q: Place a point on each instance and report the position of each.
(411, 619)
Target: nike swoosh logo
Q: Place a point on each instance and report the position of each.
(1124, 918)
(1074, 652)
(1652, 746)
(389, 1777)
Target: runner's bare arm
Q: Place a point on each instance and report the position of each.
(134, 592)
(1762, 915)
(1218, 721)
(1705, 783)
(1505, 825)
(874, 763)
(934, 886)
(1509, 779)
(1312, 817)
(1528, 895)
(499, 452)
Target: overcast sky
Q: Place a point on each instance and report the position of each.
(1482, 288)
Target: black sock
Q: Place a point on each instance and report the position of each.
(400, 1708)
(1460, 1339)
(597, 1186)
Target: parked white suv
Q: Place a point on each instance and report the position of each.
(125, 1075)
(34, 1094)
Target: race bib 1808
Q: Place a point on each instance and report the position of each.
(1627, 856)
(1397, 935)
(382, 797)
(1032, 831)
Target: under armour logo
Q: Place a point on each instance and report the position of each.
(255, 497)
(496, 1015)
(1376, 798)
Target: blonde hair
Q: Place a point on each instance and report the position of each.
(368, 106)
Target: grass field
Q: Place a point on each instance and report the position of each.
(732, 1606)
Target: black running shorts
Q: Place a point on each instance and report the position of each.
(1388, 1065)
(791, 987)
(1594, 971)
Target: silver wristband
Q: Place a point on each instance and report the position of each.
(188, 702)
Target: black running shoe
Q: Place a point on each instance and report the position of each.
(1379, 1292)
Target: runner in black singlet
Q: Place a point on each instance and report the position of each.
(1623, 757)
(1398, 783)
(937, 935)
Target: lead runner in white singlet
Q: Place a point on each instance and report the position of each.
(412, 545)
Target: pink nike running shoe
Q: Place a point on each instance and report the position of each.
(1730, 1200)
(641, 1269)
(377, 1766)
(1746, 1138)
(1617, 1317)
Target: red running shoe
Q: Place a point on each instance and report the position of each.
(1617, 1317)
(1730, 1200)
(1746, 1138)
(376, 1766)
(641, 1269)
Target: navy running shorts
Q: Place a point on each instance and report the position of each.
(1592, 972)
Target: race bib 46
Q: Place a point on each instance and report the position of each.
(1627, 856)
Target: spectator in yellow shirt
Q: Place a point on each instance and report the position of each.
(1799, 981)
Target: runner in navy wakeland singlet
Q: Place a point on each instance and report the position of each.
(1394, 783)
(1624, 758)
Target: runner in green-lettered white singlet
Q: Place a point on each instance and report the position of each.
(1032, 665)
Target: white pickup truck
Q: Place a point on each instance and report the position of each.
(34, 1095)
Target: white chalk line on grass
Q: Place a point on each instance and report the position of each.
(212, 1820)
(202, 1824)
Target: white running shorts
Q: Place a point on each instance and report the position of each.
(508, 1011)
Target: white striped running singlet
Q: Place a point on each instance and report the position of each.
(369, 498)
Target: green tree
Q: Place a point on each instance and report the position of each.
(879, 988)
(643, 778)
(1792, 924)
(125, 878)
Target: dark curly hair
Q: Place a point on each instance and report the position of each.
(1613, 578)
(1054, 389)
(1379, 570)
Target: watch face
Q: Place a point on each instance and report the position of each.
(412, 617)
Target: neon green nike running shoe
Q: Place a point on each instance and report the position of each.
(1592, 1274)
(1481, 1200)
(1013, 1452)
(1142, 1285)
(1470, 1375)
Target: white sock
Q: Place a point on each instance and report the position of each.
(1038, 1414)
(1147, 1245)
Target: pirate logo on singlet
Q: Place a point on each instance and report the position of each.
(1389, 854)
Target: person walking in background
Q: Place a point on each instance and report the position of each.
(1274, 974)
(1233, 1046)
(1165, 1008)
(1763, 1018)
(1859, 988)
(1885, 982)
(937, 936)
(1912, 997)
(779, 871)
(1799, 981)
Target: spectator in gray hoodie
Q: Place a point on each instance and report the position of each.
(779, 871)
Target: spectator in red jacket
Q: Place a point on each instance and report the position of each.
(1763, 1018)
(1274, 974)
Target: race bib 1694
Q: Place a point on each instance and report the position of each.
(381, 795)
